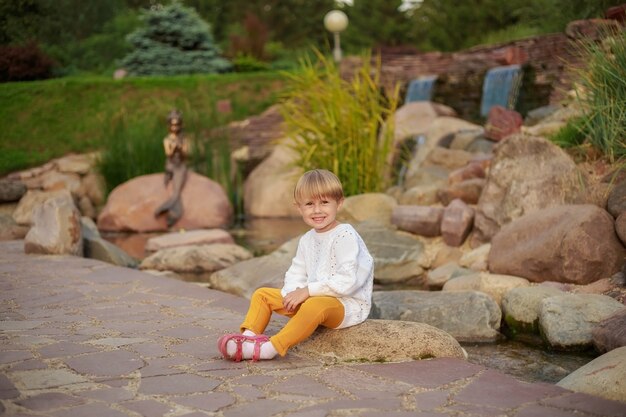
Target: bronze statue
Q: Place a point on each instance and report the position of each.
(176, 152)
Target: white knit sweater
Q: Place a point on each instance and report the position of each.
(335, 263)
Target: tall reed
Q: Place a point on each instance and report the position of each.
(602, 94)
(340, 125)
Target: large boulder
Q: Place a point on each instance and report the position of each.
(602, 377)
(570, 243)
(527, 174)
(263, 271)
(196, 259)
(381, 341)
(566, 321)
(616, 203)
(369, 206)
(610, 333)
(191, 237)
(131, 205)
(414, 118)
(479, 322)
(34, 198)
(268, 190)
(494, 285)
(398, 256)
(56, 228)
(11, 190)
(439, 128)
(521, 306)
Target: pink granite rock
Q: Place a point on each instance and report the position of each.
(502, 122)
(131, 206)
(421, 220)
(457, 222)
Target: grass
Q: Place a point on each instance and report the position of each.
(42, 120)
(343, 126)
(602, 94)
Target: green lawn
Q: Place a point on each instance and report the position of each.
(42, 120)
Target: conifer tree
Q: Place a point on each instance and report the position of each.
(174, 40)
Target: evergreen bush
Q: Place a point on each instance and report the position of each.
(174, 41)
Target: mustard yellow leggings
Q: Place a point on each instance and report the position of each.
(315, 311)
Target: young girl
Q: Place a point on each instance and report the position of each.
(329, 282)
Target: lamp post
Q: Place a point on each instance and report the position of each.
(336, 21)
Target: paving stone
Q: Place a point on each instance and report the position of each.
(46, 378)
(148, 408)
(477, 410)
(367, 404)
(249, 393)
(89, 410)
(431, 399)
(498, 390)
(427, 373)
(403, 414)
(204, 348)
(164, 366)
(64, 349)
(49, 401)
(212, 401)
(119, 362)
(361, 384)
(588, 403)
(7, 389)
(110, 395)
(150, 350)
(29, 364)
(536, 410)
(264, 407)
(116, 341)
(177, 384)
(304, 385)
(255, 380)
(14, 356)
(14, 325)
(184, 332)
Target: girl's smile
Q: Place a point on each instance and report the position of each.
(320, 213)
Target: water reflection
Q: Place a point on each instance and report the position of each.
(262, 236)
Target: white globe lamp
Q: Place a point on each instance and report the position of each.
(336, 22)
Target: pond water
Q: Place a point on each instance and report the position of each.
(523, 361)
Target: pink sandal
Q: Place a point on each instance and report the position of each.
(239, 339)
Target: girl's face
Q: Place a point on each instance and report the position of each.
(320, 213)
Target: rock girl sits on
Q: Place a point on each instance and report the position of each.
(329, 282)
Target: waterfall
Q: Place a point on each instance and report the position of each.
(420, 89)
(501, 87)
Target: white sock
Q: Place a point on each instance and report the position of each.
(248, 333)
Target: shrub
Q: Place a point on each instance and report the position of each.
(602, 94)
(24, 63)
(343, 126)
(174, 41)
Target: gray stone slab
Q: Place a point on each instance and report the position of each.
(263, 407)
(177, 384)
(537, 410)
(502, 391)
(46, 379)
(587, 403)
(7, 389)
(64, 349)
(213, 401)
(148, 408)
(430, 373)
(49, 401)
(14, 356)
(89, 410)
(119, 362)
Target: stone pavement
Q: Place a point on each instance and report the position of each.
(83, 338)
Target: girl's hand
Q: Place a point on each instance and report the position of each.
(295, 298)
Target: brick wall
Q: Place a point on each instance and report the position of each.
(549, 63)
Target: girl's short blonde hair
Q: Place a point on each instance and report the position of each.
(318, 184)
